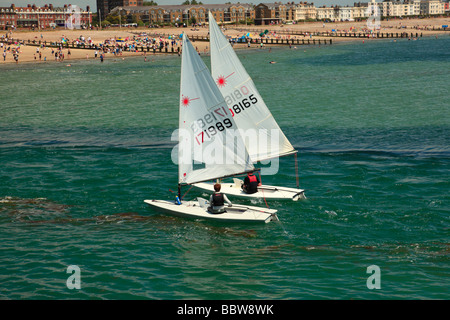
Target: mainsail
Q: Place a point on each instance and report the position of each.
(210, 145)
(261, 133)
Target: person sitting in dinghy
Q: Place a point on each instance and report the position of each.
(251, 183)
(217, 200)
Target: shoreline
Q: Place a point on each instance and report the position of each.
(151, 55)
(169, 37)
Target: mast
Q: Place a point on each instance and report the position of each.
(296, 171)
(208, 134)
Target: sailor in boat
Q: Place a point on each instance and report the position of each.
(251, 183)
(217, 200)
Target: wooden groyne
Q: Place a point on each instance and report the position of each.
(164, 49)
(306, 40)
(274, 41)
(368, 35)
(340, 34)
(67, 45)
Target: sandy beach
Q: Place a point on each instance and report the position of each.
(30, 53)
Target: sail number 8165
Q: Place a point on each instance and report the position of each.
(236, 103)
(242, 105)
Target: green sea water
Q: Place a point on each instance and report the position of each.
(81, 147)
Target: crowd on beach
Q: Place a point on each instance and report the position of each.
(113, 46)
(8, 50)
(66, 44)
(61, 48)
(125, 44)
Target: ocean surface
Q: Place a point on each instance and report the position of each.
(82, 146)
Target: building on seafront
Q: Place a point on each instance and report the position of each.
(165, 14)
(261, 14)
(273, 13)
(47, 16)
(104, 7)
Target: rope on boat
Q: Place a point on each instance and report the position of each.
(183, 194)
(296, 171)
(264, 197)
(186, 192)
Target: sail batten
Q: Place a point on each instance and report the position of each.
(279, 155)
(269, 116)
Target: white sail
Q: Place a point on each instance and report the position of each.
(209, 146)
(261, 133)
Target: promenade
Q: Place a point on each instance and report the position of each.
(65, 45)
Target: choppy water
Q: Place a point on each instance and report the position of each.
(81, 147)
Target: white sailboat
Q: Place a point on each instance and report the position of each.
(209, 146)
(262, 136)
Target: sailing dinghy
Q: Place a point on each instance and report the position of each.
(209, 146)
(262, 136)
(268, 192)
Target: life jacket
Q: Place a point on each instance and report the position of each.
(253, 185)
(218, 200)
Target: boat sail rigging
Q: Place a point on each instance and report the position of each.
(261, 133)
(249, 109)
(207, 131)
(209, 144)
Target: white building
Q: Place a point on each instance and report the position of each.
(345, 14)
(360, 12)
(305, 11)
(411, 8)
(430, 7)
(326, 13)
(386, 8)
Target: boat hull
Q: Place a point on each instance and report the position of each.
(194, 209)
(265, 191)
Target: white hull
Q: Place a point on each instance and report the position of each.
(198, 209)
(264, 191)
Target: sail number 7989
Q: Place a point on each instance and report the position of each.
(210, 124)
(213, 130)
